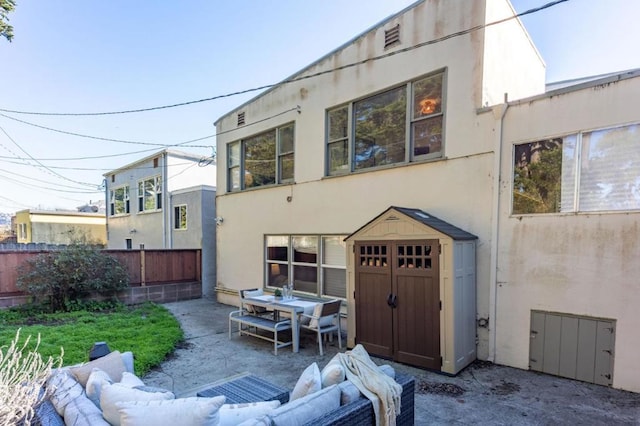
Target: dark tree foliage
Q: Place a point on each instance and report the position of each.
(6, 30)
(62, 278)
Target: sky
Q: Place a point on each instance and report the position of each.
(78, 56)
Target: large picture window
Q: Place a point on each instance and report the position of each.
(397, 126)
(261, 160)
(119, 201)
(584, 172)
(315, 264)
(150, 194)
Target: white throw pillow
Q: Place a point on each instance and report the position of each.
(308, 383)
(127, 359)
(324, 321)
(115, 393)
(130, 380)
(251, 308)
(112, 364)
(333, 373)
(83, 412)
(181, 411)
(96, 380)
(65, 389)
(305, 410)
(234, 414)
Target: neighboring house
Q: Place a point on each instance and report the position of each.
(59, 227)
(164, 201)
(405, 116)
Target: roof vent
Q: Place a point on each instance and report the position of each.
(392, 36)
(241, 118)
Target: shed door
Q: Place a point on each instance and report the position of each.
(398, 300)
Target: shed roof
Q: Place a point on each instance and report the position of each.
(426, 219)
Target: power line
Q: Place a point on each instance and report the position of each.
(40, 164)
(295, 79)
(38, 180)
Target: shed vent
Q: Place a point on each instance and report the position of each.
(241, 118)
(392, 36)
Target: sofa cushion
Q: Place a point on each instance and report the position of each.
(348, 392)
(333, 373)
(309, 382)
(181, 411)
(234, 414)
(131, 380)
(308, 408)
(115, 393)
(65, 388)
(83, 412)
(94, 385)
(112, 364)
(323, 321)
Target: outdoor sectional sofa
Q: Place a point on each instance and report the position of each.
(347, 407)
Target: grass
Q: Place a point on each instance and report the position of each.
(148, 330)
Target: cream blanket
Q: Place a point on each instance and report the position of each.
(383, 391)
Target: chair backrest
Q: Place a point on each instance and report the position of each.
(246, 289)
(331, 308)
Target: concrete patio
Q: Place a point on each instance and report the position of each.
(483, 393)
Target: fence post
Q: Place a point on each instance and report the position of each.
(142, 266)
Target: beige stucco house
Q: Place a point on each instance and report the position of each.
(164, 201)
(59, 227)
(404, 115)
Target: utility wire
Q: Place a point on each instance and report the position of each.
(38, 180)
(295, 79)
(42, 165)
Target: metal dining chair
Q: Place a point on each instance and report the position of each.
(325, 319)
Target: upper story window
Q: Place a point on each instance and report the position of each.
(150, 194)
(397, 126)
(264, 159)
(119, 201)
(584, 172)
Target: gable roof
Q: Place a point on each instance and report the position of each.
(426, 219)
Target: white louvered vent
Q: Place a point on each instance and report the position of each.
(241, 118)
(392, 36)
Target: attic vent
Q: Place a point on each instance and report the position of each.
(392, 218)
(392, 36)
(241, 118)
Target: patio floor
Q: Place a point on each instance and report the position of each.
(483, 393)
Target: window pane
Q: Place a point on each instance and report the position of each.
(334, 251)
(286, 167)
(286, 139)
(427, 136)
(260, 160)
(278, 248)
(277, 274)
(538, 176)
(338, 120)
(610, 169)
(234, 154)
(338, 157)
(305, 249)
(427, 96)
(380, 129)
(335, 282)
(234, 179)
(305, 278)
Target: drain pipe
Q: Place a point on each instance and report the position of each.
(495, 213)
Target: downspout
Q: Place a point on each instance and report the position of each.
(493, 279)
(165, 208)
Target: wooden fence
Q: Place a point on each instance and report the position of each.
(145, 267)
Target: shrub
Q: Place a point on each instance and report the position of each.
(22, 376)
(63, 278)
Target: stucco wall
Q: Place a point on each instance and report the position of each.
(582, 264)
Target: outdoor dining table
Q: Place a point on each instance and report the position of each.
(294, 306)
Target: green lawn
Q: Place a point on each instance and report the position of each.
(149, 331)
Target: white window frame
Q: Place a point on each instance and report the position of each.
(125, 199)
(177, 216)
(156, 194)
